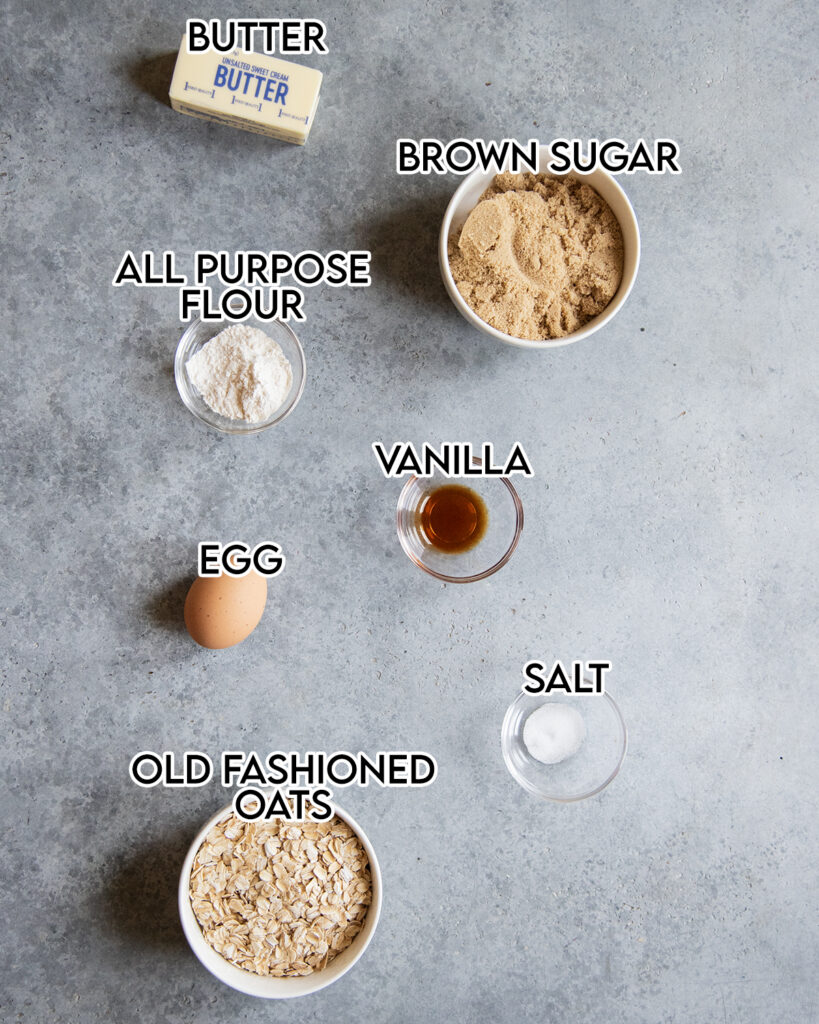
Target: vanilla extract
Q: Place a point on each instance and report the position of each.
(453, 519)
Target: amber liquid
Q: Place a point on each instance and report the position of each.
(454, 518)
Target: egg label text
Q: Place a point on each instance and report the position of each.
(566, 680)
(237, 559)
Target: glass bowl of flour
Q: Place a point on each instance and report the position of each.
(239, 377)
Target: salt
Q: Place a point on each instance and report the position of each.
(554, 732)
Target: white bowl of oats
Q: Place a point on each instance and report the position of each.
(279, 909)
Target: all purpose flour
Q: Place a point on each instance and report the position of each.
(241, 374)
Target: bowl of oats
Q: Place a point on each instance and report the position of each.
(279, 909)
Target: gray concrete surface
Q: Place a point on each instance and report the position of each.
(669, 527)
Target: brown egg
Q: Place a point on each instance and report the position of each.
(221, 611)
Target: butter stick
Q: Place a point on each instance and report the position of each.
(252, 91)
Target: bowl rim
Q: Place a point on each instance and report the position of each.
(476, 576)
(586, 330)
(231, 975)
(530, 787)
(218, 422)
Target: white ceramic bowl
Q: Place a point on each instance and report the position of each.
(266, 987)
(466, 199)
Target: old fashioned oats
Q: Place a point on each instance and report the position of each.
(281, 899)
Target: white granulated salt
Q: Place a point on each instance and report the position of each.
(554, 732)
(241, 374)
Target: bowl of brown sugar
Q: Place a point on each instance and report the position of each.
(537, 260)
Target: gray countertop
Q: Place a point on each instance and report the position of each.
(669, 527)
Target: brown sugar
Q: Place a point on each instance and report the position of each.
(538, 257)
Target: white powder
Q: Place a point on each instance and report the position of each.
(241, 374)
(554, 732)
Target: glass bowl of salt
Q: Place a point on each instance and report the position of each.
(566, 746)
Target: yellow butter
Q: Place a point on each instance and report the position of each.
(252, 91)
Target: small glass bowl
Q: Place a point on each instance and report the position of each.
(199, 333)
(583, 774)
(504, 525)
